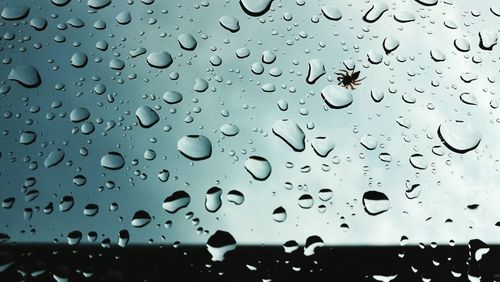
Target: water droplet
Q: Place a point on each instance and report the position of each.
(368, 141)
(229, 129)
(325, 194)
(147, 117)
(291, 246)
(200, 85)
(60, 3)
(123, 238)
(140, 219)
(437, 55)
(312, 242)
(331, 12)
(14, 12)
(291, 133)
(255, 7)
(418, 161)
(91, 210)
(322, 145)
(258, 167)
(230, 23)
(66, 203)
(26, 75)
(316, 70)
(459, 136)
(427, 2)
(27, 137)
(112, 160)
(178, 200)
(187, 41)
(38, 23)
(377, 95)
(375, 12)
(219, 244)
(79, 114)
(236, 197)
(213, 200)
(195, 147)
(374, 57)
(468, 98)
(404, 16)
(279, 214)
(79, 60)
(390, 44)
(161, 59)
(98, 4)
(462, 44)
(163, 175)
(306, 201)
(242, 52)
(336, 97)
(268, 57)
(54, 158)
(487, 39)
(123, 17)
(375, 202)
(74, 238)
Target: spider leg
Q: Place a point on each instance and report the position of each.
(358, 80)
(340, 82)
(352, 88)
(339, 78)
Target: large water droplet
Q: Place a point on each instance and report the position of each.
(306, 201)
(487, 39)
(312, 242)
(27, 137)
(375, 12)
(161, 59)
(195, 147)
(322, 145)
(291, 133)
(98, 4)
(427, 2)
(187, 41)
(255, 7)
(459, 136)
(172, 97)
(147, 117)
(123, 17)
(368, 141)
(54, 158)
(79, 114)
(79, 60)
(15, 12)
(258, 167)
(418, 161)
(316, 70)
(230, 23)
(213, 200)
(375, 202)
(219, 244)
(26, 75)
(336, 97)
(331, 12)
(279, 214)
(140, 219)
(229, 129)
(112, 160)
(390, 44)
(178, 200)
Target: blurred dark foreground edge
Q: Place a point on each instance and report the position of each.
(249, 263)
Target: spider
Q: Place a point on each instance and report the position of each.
(348, 79)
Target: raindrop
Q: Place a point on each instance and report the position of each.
(147, 117)
(437, 55)
(368, 141)
(79, 60)
(27, 137)
(200, 85)
(418, 161)
(161, 59)
(14, 12)
(306, 201)
(74, 238)
(66, 203)
(178, 200)
(140, 219)
(54, 158)
(255, 7)
(187, 41)
(375, 202)
(258, 167)
(316, 70)
(229, 129)
(91, 210)
(427, 2)
(487, 39)
(235, 197)
(459, 136)
(375, 12)
(325, 194)
(98, 4)
(213, 200)
(195, 147)
(404, 17)
(468, 98)
(331, 12)
(462, 44)
(230, 23)
(123, 17)
(291, 133)
(112, 160)
(279, 214)
(79, 114)
(219, 244)
(312, 242)
(172, 97)
(322, 145)
(336, 97)
(26, 75)
(390, 44)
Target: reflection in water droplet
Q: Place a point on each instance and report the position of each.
(195, 147)
(375, 202)
(258, 167)
(176, 201)
(219, 244)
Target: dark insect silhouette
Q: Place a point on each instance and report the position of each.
(347, 79)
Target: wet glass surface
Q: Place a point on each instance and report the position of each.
(296, 126)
